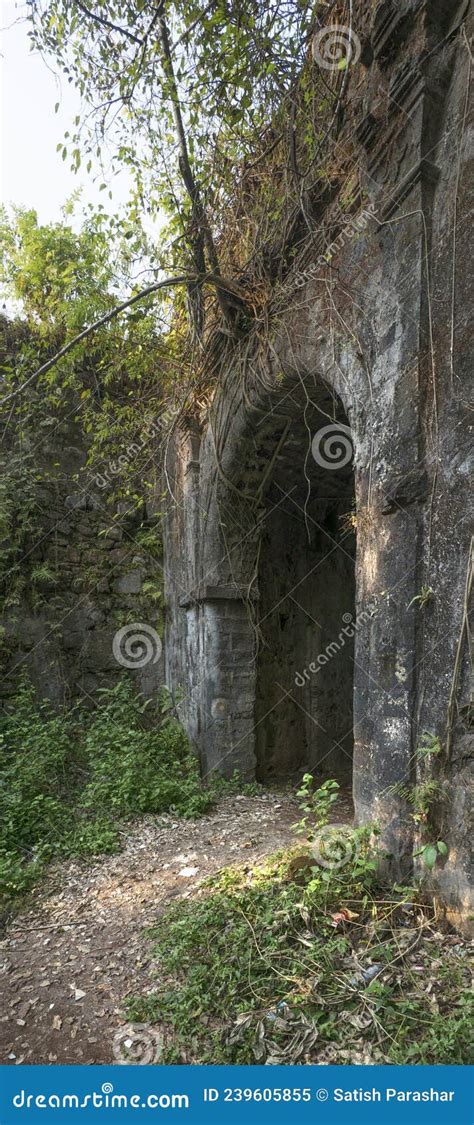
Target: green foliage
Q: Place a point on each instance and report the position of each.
(234, 952)
(424, 598)
(35, 778)
(430, 853)
(315, 804)
(109, 392)
(439, 1033)
(67, 779)
(43, 575)
(55, 274)
(236, 784)
(60, 281)
(426, 799)
(135, 768)
(232, 64)
(258, 970)
(20, 515)
(429, 744)
(421, 798)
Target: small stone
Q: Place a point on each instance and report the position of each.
(129, 583)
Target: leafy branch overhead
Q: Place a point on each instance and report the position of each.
(181, 96)
(116, 373)
(166, 283)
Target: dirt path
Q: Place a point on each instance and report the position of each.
(67, 963)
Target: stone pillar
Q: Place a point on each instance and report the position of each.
(225, 680)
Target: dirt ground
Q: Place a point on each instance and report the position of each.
(69, 960)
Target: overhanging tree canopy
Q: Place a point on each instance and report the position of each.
(180, 94)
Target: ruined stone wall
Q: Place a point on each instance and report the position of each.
(375, 343)
(86, 568)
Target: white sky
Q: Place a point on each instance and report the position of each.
(32, 172)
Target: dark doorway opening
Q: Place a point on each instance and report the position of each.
(306, 581)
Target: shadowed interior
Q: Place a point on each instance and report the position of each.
(306, 581)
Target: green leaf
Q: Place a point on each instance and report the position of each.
(442, 847)
(429, 855)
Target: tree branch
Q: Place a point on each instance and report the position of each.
(199, 216)
(191, 27)
(220, 284)
(107, 23)
(180, 280)
(201, 238)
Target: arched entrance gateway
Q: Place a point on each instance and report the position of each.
(271, 635)
(274, 612)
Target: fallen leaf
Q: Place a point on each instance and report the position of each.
(343, 915)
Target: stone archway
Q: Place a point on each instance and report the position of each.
(265, 633)
(228, 644)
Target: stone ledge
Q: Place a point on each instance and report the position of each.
(424, 171)
(405, 90)
(391, 26)
(229, 593)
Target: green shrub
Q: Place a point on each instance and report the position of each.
(35, 773)
(68, 779)
(135, 768)
(247, 946)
